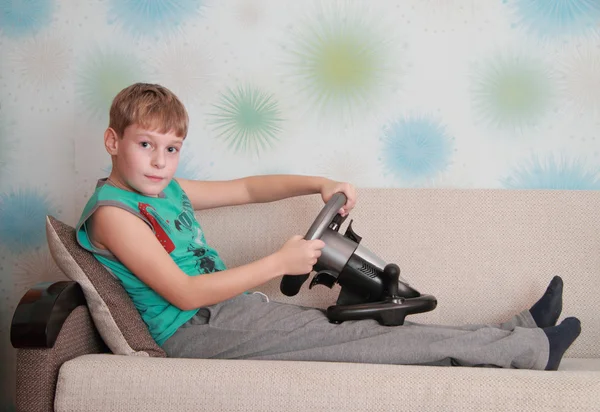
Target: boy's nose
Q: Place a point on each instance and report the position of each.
(158, 160)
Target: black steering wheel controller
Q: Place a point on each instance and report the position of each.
(370, 288)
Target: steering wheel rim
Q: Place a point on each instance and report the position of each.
(291, 284)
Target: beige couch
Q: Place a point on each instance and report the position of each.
(485, 254)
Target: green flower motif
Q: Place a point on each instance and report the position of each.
(247, 119)
(102, 77)
(341, 62)
(512, 92)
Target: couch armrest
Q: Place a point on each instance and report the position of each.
(51, 325)
(41, 313)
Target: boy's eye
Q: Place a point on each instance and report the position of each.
(144, 144)
(172, 150)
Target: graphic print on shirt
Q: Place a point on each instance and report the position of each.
(185, 222)
(204, 263)
(160, 230)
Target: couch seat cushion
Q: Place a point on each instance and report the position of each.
(111, 382)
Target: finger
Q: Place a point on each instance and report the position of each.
(313, 262)
(318, 253)
(318, 244)
(350, 192)
(352, 202)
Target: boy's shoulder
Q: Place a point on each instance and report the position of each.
(145, 207)
(107, 194)
(106, 191)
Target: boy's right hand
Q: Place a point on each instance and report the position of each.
(298, 256)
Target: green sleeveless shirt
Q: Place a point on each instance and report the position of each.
(171, 217)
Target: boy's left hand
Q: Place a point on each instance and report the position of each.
(332, 187)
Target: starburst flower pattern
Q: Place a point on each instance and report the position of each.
(22, 219)
(248, 13)
(152, 17)
(189, 169)
(345, 165)
(102, 76)
(343, 61)
(20, 18)
(552, 172)
(248, 119)
(415, 148)
(553, 18)
(42, 61)
(187, 70)
(580, 79)
(35, 267)
(511, 91)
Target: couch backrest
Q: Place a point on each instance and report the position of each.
(485, 254)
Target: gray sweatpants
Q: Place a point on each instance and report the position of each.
(249, 327)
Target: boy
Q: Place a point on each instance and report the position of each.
(140, 225)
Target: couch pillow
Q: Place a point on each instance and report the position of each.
(116, 318)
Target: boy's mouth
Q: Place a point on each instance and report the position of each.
(154, 178)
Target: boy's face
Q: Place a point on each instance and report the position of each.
(144, 160)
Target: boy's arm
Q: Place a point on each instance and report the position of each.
(260, 189)
(132, 241)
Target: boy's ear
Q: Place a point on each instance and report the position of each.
(111, 141)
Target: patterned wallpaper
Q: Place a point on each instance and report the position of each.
(382, 93)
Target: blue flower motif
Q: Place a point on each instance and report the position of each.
(23, 17)
(22, 219)
(551, 173)
(416, 148)
(187, 169)
(549, 18)
(152, 17)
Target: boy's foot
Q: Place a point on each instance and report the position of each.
(560, 338)
(546, 311)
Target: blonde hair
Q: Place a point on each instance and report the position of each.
(151, 106)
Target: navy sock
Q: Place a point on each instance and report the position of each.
(560, 338)
(546, 311)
